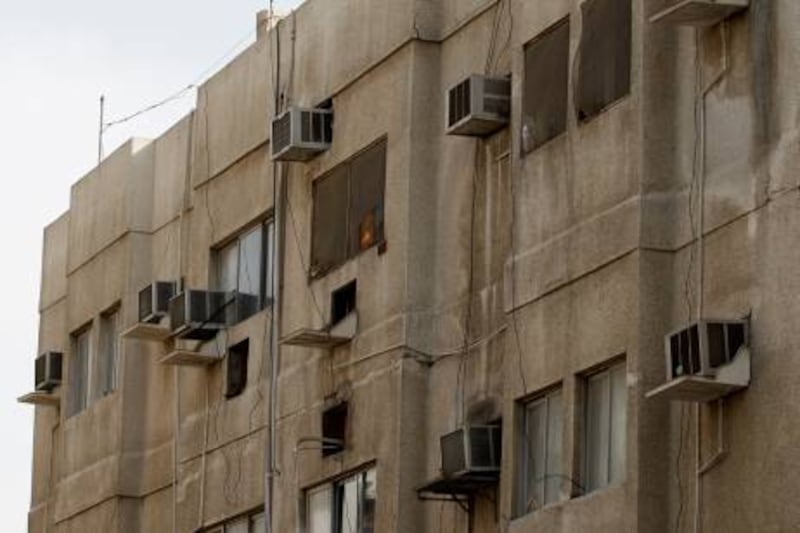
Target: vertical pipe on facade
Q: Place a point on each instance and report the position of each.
(278, 191)
(701, 189)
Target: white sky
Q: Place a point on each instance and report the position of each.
(56, 59)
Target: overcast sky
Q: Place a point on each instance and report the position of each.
(56, 59)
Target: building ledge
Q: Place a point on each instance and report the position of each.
(41, 398)
(189, 358)
(698, 12)
(148, 332)
(457, 486)
(730, 378)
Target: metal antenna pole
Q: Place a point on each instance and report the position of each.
(100, 130)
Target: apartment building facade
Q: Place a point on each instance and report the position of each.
(404, 284)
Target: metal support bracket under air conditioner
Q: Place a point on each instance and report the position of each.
(730, 378)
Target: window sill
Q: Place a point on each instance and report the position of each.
(608, 491)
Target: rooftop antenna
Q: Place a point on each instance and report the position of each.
(100, 132)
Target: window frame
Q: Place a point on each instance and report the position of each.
(525, 443)
(266, 226)
(107, 367)
(609, 372)
(250, 516)
(584, 111)
(528, 78)
(79, 400)
(336, 490)
(350, 252)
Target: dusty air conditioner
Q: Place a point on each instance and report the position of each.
(154, 301)
(471, 450)
(478, 106)
(698, 12)
(48, 371)
(300, 134)
(198, 315)
(702, 347)
(705, 361)
(241, 306)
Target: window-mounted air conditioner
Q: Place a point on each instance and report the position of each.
(698, 12)
(478, 105)
(48, 371)
(471, 450)
(154, 301)
(197, 314)
(240, 306)
(299, 134)
(705, 361)
(703, 347)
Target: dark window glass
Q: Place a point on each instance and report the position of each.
(348, 210)
(343, 302)
(329, 235)
(367, 173)
(604, 69)
(544, 105)
(236, 378)
(334, 429)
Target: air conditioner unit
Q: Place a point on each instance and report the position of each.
(698, 12)
(197, 314)
(241, 306)
(702, 347)
(471, 450)
(478, 106)
(300, 134)
(154, 301)
(48, 371)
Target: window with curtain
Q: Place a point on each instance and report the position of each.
(541, 452)
(605, 421)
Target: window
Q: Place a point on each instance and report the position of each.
(106, 364)
(236, 370)
(541, 465)
(244, 268)
(346, 506)
(605, 427)
(79, 371)
(544, 102)
(252, 523)
(348, 210)
(604, 66)
(334, 428)
(343, 302)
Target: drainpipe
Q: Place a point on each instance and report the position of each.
(279, 195)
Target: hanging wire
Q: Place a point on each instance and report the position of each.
(199, 79)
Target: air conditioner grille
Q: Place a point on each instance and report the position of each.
(177, 311)
(453, 456)
(41, 370)
(281, 132)
(315, 127)
(460, 102)
(685, 350)
(145, 303)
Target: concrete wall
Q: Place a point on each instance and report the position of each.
(503, 275)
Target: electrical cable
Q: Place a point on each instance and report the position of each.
(201, 78)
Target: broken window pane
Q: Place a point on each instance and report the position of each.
(544, 105)
(329, 236)
(604, 66)
(367, 178)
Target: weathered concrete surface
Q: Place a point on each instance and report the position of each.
(503, 275)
